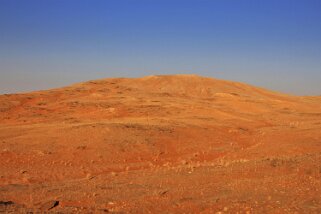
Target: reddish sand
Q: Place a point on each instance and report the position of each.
(160, 144)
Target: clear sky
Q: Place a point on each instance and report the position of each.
(274, 44)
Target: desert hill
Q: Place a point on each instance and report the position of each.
(175, 143)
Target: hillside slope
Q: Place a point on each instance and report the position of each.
(177, 143)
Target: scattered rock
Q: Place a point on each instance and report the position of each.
(275, 163)
(49, 205)
(89, 176)
(39, 152)
(163, 192)
(113, 173)
(184, 162)
(6, 203)
(8, 207)
(81, 147)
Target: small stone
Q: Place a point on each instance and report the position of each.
(184, 162)
(41, 153)
(163, 192)
(49, 205)
(89, 176)
(225, 209)
(6, 203)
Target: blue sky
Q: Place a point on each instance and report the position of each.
(274, 44)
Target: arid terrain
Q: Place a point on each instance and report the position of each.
(160, 144)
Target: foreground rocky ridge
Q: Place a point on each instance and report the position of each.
(180, 143)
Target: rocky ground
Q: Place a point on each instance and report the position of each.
(160, 144)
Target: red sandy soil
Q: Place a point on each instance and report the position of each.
(160, 144)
